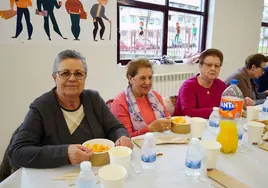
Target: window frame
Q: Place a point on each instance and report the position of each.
(165, 10)
(264, 25)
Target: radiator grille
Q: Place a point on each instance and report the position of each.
(168, 84)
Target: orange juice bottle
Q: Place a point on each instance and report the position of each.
(228, 136)
(230, 111)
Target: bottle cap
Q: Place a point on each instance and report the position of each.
(234, 81)
(85, 166)
(216, 108)
(194, 140)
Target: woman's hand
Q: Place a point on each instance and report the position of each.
(124, 141)
(78, 153)
(160, 125)
(248, 102)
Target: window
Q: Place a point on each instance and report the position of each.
(123, 19)
(133, 19)
(161, 27)
(263, 43)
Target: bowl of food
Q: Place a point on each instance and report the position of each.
(100, 149)
(181, 125)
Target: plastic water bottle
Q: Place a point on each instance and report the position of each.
(214, 119)
(193, 158)
(148, 152)
(86, 178)
(265, 108)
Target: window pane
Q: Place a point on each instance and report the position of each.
(263, 44)
(183, 34)
(159, 2)
(141, 35)
(196, 5)
(265, 12)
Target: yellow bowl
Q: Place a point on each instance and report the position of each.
(100, 158)
(180, 128)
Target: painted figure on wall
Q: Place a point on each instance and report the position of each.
(178, 30)
(194, 31)
(141, 28)
(76, 11)
(98, 12)
(49, 5)
(22, 9)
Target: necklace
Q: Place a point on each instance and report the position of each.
(208, 89)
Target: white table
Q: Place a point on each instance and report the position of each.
(250, 168)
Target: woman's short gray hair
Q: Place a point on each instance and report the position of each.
(65, 55)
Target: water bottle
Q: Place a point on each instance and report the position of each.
(148, 152)
(265, 108)
(86, 178)
(214, 118)
(193, 159)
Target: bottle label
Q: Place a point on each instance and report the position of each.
(240, 136)
(213, 124)
(230, 108)
(264, 109)
(193, 164)
(148, 158)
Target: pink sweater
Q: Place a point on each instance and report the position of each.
(194, 101)
(120, 109)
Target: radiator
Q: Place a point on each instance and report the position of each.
(168, 84)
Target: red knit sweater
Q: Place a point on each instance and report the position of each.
(196, 101)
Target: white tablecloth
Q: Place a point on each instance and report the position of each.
(250, 168)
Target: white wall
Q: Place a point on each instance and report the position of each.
(235, 30)
(26, 67)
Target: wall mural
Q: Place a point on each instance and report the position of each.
(71, 20)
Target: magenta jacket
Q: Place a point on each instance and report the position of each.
(196, 101)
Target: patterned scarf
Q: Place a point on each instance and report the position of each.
(134, 111)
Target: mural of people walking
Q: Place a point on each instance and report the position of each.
(76, 10)
(49, 5)
(194, 31)
(98, 12)
(141, 28)
(178, 30)
(22, 9)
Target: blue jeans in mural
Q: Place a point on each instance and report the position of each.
(75, 19)
(19, 27)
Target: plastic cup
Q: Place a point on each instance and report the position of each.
(113, 176)
(252, 113)
(255, 130)
(120, 155)
(197, 127)
(211, 152)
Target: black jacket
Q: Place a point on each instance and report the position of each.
(43, 139)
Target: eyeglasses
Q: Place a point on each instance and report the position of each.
(65, 74)
(212, 65)
(262, 68)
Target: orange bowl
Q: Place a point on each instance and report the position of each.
(100, 158)
(181, 125)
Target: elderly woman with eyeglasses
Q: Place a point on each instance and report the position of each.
(199, 94)
(60, 120)
(255, 65)
(138, 107)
